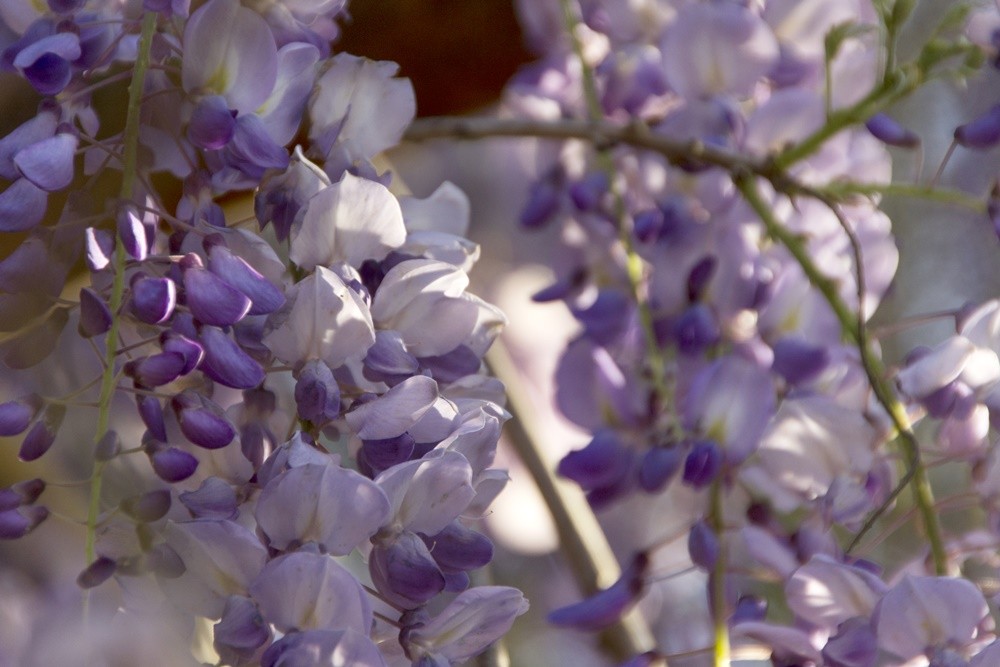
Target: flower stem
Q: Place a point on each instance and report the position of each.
(130, 149)
(717, 579)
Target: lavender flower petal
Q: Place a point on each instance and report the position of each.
(227, 363)
(309, 591)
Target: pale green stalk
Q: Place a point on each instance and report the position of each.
(130, 148)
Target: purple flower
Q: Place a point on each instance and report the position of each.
(358, 109)
(229, 51)
(16, 415)
(338, 509)
(241, 631)
(221, 558)
(717, 49)
(349, 221)
(925, 612)
(391, 414)
(310, 591)
(404, 571)
(606, 607)
(16, 523)
(322, 319)
(471, 622)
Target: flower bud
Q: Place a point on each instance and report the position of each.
(97, 573)
(43, 433)
(982, 132)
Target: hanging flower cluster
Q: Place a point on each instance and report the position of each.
(721, 246)
(309, 380)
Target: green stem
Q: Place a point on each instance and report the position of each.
(720, 621)
(891, 89)
(913, 190)
(130, 150)
(656, 362)
(874, 370)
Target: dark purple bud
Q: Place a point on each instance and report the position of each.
(109, 446)
(22, 493)
(451, 366)
(264, 296)
(95, 316)
(317, 395)
(202, 421)
(702, 464)
(854, 645)
(606, 607)
(456, 582)
(153, 299)
(240, 631)
(699, 277)
(151, 412)
(214, 499)
(212, 300)
(604, 496)
(97, 573)
(982, 132)
(49, 163)
(601, 463)
(607, 317)
(132, 232)
(703, 546)
(388, 360)
(173, 464)
(405, 572)
(16, 415)
(888, 131)
(542, 206)
(457, 548)
(147, 507)
(696, 329)
(227, 363)
(212, 123)
(381, 455)
(798, 361)
(587, 192)
(155, 370)
(43, 433)
(749, 608)
(646, 225)
(192, 352)
(17, 523)
(22, 206)
(561, 289)
(658, 466)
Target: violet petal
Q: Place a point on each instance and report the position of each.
(22, 206)
(212, 300)
(49, 163)
(173, 464)
(227, 363)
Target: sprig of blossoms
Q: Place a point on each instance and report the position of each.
(348, 330)
(723, 307)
